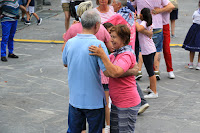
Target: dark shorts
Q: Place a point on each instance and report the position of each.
(148, 63)
(174, 15)
(105, 86)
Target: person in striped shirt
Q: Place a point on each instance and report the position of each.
(9, 10)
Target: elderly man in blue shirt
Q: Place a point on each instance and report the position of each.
(87, 98)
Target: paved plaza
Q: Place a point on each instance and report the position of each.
(34, 90)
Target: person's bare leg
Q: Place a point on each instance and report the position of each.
(199, 58)
(107, 110)
(23, 9)
(67, 18)
(157, 61)
(152, 80)
(192, 56)
(84, 131)
(28, 16)
(36, 16)
(140, 62)
(172, 27)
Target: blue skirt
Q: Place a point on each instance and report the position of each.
(192, 40)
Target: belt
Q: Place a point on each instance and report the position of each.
(158, 31)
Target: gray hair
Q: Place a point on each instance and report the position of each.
(123, 2)
(89, 18)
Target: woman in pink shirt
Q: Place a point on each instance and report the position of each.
(105, 11)
(123, 90)
(148, 50)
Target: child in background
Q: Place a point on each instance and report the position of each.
(148, 50)
(30, 8)
(108, 26)
(192, 40)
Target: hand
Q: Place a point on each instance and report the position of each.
(98, 51)
(156, 10)
(150, 34)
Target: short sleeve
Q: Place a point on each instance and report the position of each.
(124, 62)
(193, 15)
(100, 62)
(64, 55)
(144, 23)
(165, 2)
(134, 3)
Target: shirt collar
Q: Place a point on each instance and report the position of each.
(86, 36)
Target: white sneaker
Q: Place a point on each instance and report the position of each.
(198, 67)
(151, 95)
(107, 129)
(147, 90)
(143, 108)
(190, 66)
(171, 75)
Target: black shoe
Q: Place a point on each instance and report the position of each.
(39, 21)
(12, 56)
(27, 22)
(23, 19)
(4, 59)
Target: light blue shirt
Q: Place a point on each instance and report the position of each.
(85, 88)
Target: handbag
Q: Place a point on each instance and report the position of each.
(72, 9)
(175, 3)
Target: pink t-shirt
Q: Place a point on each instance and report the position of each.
(146, 44)
(118, 19)
(166, 18)
(101, 35)
(123, 91)
(107, 15)
(151, 4)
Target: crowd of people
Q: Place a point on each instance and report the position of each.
(131, 32)
(104, 52)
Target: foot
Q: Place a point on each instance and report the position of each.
(27, 22)
(138, 76)
(198, 67)
(143, 108)
(157, 74)
(107, 129)
(23, 19)
(12, 56)
(4, 59)
(190, 66)
(173, 36)
(39, 21)
(151, 95)
(171, 75)
(147, 90)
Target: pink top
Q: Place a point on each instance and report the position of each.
(118, 19)
(166, 18)
(107, 15)
(146, 44)
(102, 35)
(123, 91)
(151, 4)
